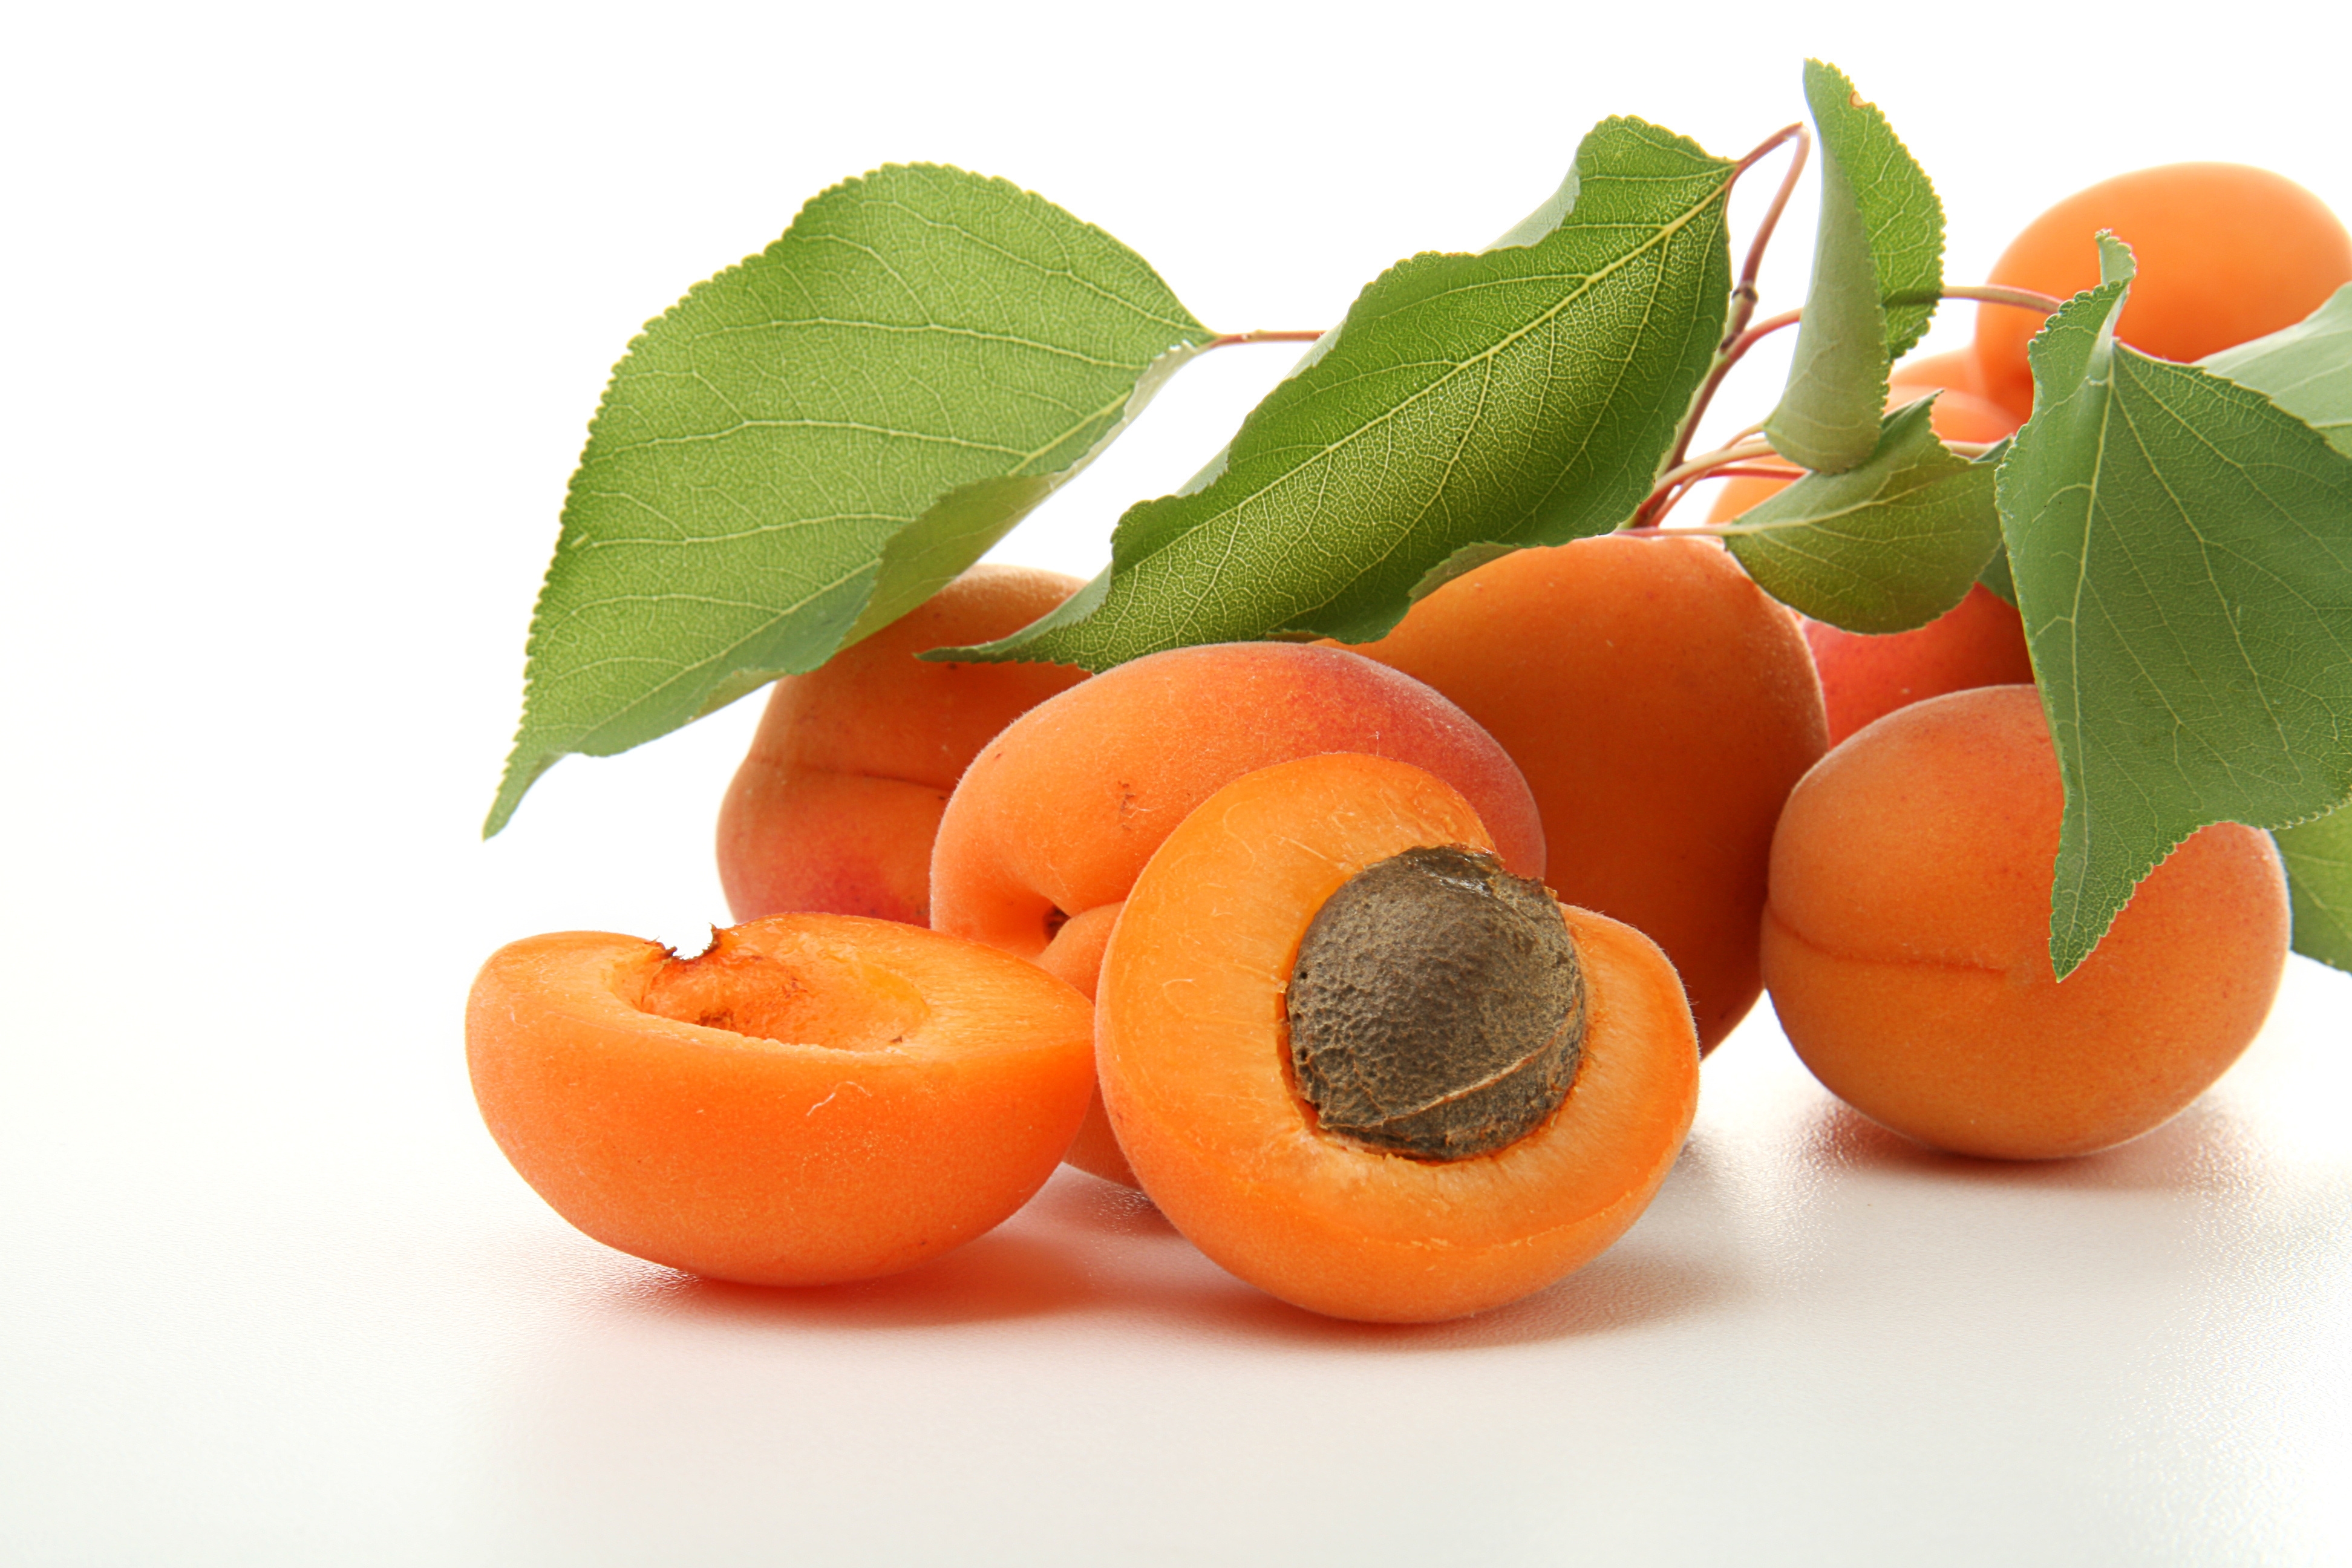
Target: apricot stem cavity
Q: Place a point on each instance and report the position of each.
(1436, 1007)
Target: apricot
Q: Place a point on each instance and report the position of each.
(835, 806)
(2226, 253)
(1661, 708)
(1907, 943)
(818, 1098)
(1981, 641)
(1055, 820)
(1211, 976)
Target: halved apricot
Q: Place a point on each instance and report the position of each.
(1195, 1053)
(1051, 824)
(817, 1099)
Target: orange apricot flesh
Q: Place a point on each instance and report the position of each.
(817, 1099)
(1907, 943)
(1191, 1049)
(835, 806)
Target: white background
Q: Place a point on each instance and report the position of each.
(308, 309)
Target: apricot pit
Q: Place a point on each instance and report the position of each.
(1436, 1008)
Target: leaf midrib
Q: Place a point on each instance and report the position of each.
(1454, 368)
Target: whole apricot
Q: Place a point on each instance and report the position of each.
(817, 1099)
(835, 806)
(1362, 1067)
(1661, 707)
(2226, 253)
(1056, 817)
(1907, 943)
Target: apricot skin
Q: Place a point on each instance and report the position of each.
(819, 1099)
(1954, 370)
(1662, 706)
(2226, 253)
(1907, 943)
(835, 806)
(1981, 641)
(1193, 1059)
(1063, 809)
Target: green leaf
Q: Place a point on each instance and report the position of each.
(1884, 547)
(1877, 273)
(1527, 394)
(1995, 577)
(2318, 856)
(2306, 369)
(1898, 203)
(812, 443)
(2182, 550)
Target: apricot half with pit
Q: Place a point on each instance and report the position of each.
(1471, 1096)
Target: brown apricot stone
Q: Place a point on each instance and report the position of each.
(1436, 1007)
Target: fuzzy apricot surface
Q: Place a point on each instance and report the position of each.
(1661, 708)
(817, 1099)
(1191, 1049)
(1907, 943)
(1981, 641)
(2226, 253)
(1056, 817)
(835, 806)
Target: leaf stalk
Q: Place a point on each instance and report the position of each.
(2002, 294)
(1265, 335)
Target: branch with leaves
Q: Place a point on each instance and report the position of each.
(812, 442)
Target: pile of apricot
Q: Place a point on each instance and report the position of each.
(1387, 972)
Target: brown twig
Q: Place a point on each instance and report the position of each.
(1735, 340)
(1706, 462)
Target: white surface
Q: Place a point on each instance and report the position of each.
(363, 1340)
(308, 314)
